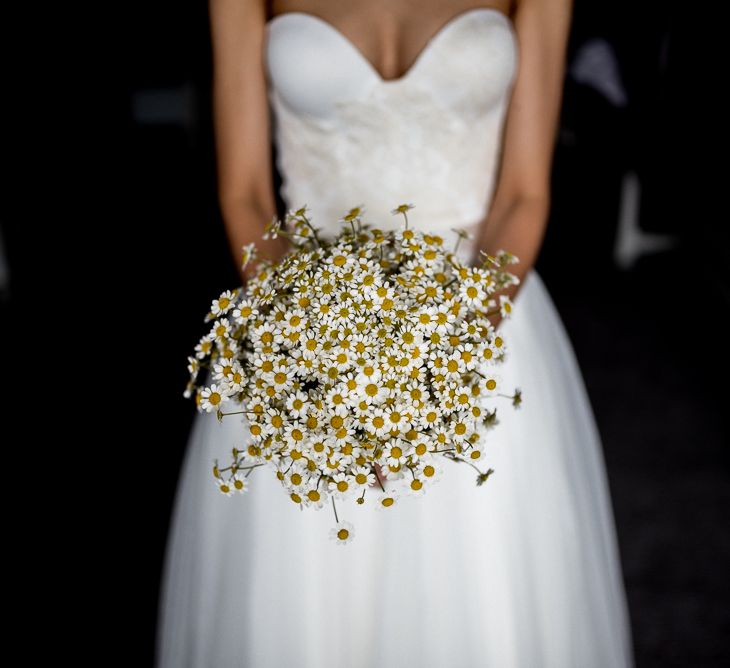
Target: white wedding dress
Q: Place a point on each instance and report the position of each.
(522, 571)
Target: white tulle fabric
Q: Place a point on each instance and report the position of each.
(521, 572)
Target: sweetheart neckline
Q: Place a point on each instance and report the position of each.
(430, 42)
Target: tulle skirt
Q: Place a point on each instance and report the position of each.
(522, 571)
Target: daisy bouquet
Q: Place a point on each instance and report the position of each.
(359, 363)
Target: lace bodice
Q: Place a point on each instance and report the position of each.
(346, 136)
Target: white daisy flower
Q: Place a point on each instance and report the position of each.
(314, 498)
(274, 419)
(505, 306)
(342, 358)
(444, 318)
(264, 336)
(295, 320)
(428, 292)
(213, 397)
(222, 369)
(363, 476)
(297, 403)
(414, 484)
(224, 486)
(248, 252)
(467, 354)
(416, 394)
(236, 381)
(397, 419)
(221, 330)
(455, 366)
(473, 454)
(429, 471)
(472, 292)
(281, 377)
(223, 304)
(373, 389)
(245, 312)
(204, 347)
(353, 214)
(460, 426)
(193, 367)
(343, 532)
(240, 483)
(389, 498)
(342, 485)
(419, 449)
(402, 208)
(491, 384)
(394, 453)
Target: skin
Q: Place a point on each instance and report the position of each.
(390, 34)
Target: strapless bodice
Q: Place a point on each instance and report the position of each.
(346, 136)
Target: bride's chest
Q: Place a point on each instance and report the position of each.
(468, 66)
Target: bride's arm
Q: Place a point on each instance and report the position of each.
(241, 124)
(519, 210)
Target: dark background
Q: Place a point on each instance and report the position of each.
(647, 315)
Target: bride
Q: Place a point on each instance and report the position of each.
(451, 106)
